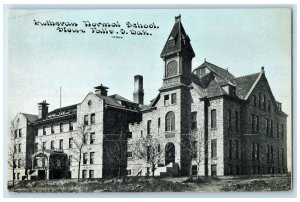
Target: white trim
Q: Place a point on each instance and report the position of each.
(253, 86)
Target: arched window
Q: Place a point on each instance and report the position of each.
(171, 68)
(170, 121)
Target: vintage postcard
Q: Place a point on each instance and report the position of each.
(149, 100)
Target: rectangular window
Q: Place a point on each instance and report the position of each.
(194, 120)
(267, 127)
(282, 129)
(237, 149)
(44, 146)
(173, 98)
(70, 125)
(259, 101)
(257, 124)
(278, 130)
(128, 172)
(19, 163)
(93, 118)
(20, 148)
(61, 145)
(214, 149)
(166, 100)
(213, 170)
(229, 118)
(61, 127)
(255, 151)
(70, 142)
(92, 138)
(36, 147)
(70, 160)
(86, 120)
(230, 150)
(20, 132)
(52, 144)
(16, 133)
(194, 169)
(213, 118)
(236, 121)
(194, 149)
(91, 173)
(84, 158)
(252, 123)
(84, 173)
(264, 102)
(158, 122)
(92, 157)
(148, 127)
(44, 130)
(84, 138)
(158, 148)
(52, 129)
(18, 176)
(15, 149)
(271, 128)
(129, 154)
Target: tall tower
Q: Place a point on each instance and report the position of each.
(177, 55)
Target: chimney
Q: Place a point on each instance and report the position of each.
(43, 109)
(138, 93)
(101, 90)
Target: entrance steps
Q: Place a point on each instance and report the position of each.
(169, 170)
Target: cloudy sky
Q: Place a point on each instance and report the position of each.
(41, 59)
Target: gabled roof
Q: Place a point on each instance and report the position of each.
(244, 84)
(63, 109)
(109, 100)
(179, 39)
(223, 73)
(30, 117)
(119, 97)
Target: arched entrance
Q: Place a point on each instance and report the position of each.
(169, 153)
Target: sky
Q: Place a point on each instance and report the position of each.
(41, 59)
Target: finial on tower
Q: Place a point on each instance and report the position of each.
(263, 69)
(178, 18)
(204, 59)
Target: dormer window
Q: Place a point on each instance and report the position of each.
(171, 43)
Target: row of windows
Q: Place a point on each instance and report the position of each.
(17, 148)
(84, 174)
(17, 176)
(61, 128)
(236, 120)
(85, 158)
(269, 125)
(259, 101)
(270, 154)
(234, 148)
(18, 163)
(167, 99)
(92, 119)
(18, 132)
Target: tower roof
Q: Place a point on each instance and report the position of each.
(178, 41)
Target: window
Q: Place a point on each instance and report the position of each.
(92, 157)
(129, 154)
(148, 127)
(213, 170)
(16, 133)
(230, 150)
(278, 130)
(236, 121)
(84, 158)
(282, 129)
(252, 123)
(84, 173)
(171, 43)
(18, 176)
(52, 129)
(257, 124)
(19, 163)
(61, 144)
(173, 98)
(20, 132)
(44, 146)
(267, 127)
(158, 122)
(61, 127)
(71, 142)
(92, 138)
(70, 125)
(20, 148)
(170, 121)
(52, 144)
(271, 128)
(213, 118)
(15, 149)
(70, 160)
(255, 151)
(194, 169)
(259, 101)
(44, 130)
(128, 172)
(36, 147)
(86, 120)
(92, 118)
(158, 148)
(166, 100)
(171, 68)
(213, 148)
(194, 149)
(141, 133)
(282, 157)
(237, 149)
(264, 102)
(229, 118)
(194, 120)
(91, 173)
(254, 100)
(84, 138)
(148, 153)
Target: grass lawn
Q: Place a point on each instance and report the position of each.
(141, 184)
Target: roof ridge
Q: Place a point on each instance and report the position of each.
(246, 75)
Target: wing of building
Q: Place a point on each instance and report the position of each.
(203, 122)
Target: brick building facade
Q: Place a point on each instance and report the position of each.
(202, 122)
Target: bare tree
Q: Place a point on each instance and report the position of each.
(12, 152)
(79, 141)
